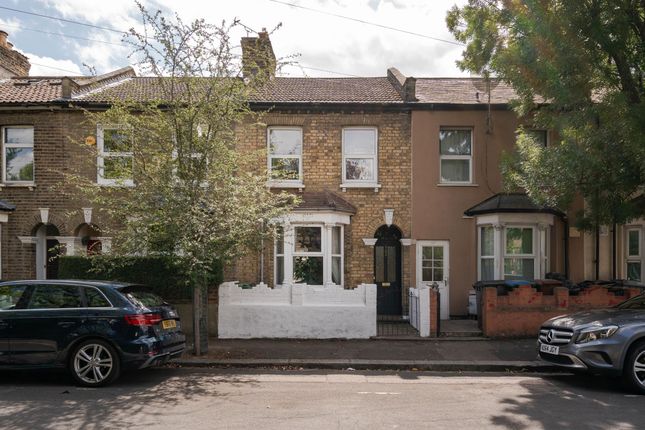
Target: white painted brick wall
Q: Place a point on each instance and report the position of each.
(297, 311)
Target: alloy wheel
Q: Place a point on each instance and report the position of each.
(93, 363)
(639, 368)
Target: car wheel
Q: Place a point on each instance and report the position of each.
(94, 363)
(634, 371)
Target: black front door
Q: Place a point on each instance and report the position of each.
(53, 252)
(387, 270)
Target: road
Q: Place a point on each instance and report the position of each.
(291, 399)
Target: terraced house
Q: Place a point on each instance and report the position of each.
(399, 179)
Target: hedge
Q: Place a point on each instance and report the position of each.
(163, 274)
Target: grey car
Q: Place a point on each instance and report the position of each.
(610, 341)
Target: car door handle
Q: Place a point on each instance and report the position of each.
(66, 324)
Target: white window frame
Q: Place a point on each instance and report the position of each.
(480, 256)
(102, 155)
(6, 145)
(533, 255)
(457, 157)
(360, 183)
(630, 258)
(289, 251)
(285, 183)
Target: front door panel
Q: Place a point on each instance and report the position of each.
(432, 270)
(387, 271)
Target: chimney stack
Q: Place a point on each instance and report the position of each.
(12, 62)
(258, 58)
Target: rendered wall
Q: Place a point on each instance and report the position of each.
(296, 311)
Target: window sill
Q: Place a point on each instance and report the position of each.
(278, 184)
(30, 185)
(374, 185)
(456, 184)
(118, 184)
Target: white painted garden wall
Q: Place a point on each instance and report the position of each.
(419, 305)
(297, 311)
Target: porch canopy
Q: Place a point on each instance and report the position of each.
(510, 203)
(5, 208)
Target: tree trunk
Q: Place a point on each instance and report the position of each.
(200, 318)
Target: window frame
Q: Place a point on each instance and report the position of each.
(541, 130)
(631, 258)
(457, 157)
(276, 182)
(348, 183)
(102, 155)
(481, 256)
(534, 254)
(6, 145)
(326, 252)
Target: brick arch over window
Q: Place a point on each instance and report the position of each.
(376, 221)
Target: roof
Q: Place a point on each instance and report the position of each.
(509, 203)
(324, 201)
(6, 206)
(468, 91)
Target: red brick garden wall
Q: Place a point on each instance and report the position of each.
(523, 310)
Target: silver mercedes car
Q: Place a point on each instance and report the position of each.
(610, 341)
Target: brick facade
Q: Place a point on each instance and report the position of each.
(322, 170)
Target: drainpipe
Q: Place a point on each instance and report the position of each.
(597, 252)
(613, 252)
(565, 219)
(262, 254)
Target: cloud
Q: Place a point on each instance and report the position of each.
(47, 66)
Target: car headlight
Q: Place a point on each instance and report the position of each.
(596, 333)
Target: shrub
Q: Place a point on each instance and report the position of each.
(164, 275)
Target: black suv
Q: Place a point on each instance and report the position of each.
(93, 328)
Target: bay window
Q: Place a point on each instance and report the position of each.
(18, 154)
(285, 155)
(455, 155)
(309, 254)
(519, 253)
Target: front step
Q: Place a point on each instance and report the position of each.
(460, 328)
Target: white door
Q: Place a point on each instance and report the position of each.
(433, 268)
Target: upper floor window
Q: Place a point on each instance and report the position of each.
(539, 136)
(285, 155)
(634, 260)
(455, 149)
(360, 155)
(115, 156)
(18, 154)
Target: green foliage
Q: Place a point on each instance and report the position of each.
(196, 197)
(165, 275)
(577, 67)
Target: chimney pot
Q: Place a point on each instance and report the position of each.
(3, 38)
(12, 62)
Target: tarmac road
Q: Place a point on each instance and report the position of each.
(308, 399)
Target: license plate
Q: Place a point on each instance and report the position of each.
(166, 324)
(549, 349)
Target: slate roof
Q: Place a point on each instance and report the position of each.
(324, 201)
(278, 90)
(463, 91)
(509, 203)
(6, 206)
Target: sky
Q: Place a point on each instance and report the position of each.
(324, 44)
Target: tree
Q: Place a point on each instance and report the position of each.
(182, 187)
(577, 67)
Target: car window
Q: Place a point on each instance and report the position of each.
(10, 296)
(142, 296)
(635, 303)
(55, 297)
(96, 299)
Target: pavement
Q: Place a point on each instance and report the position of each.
(455, 355)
